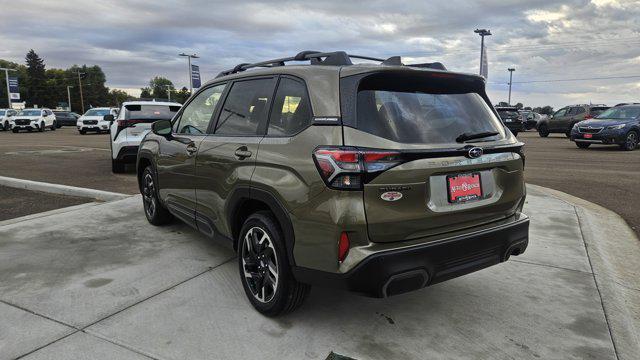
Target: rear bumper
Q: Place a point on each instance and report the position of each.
(406, 269)
(127, 154)
(608, 137)
(515, 126)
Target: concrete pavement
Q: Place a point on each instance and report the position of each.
(101, 283)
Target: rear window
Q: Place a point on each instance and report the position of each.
(431, 117)
(508, 114)
(149, 112)
(597, 110)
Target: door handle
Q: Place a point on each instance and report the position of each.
(191, 149)
(242, 153)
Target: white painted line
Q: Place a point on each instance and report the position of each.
(61, 189)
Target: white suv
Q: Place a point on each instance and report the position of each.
(33, 119)
(6, 115)
(93, 120)
(132, 124)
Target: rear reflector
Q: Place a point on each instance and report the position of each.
(343, 246)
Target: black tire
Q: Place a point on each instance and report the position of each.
(630, 141)
(258, 257)
(82, 132)
(543, 131)
(15, 131)
(54, 126)
(6, 126)
(155, 212)
(117, 167)
(41, 128)
(582, 145)
(515, 133)
(568, 134)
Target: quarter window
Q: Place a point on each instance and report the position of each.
(291, 111)
(197, 115)
(246, 107)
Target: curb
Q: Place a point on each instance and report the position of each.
(61, 189)
(614, 252)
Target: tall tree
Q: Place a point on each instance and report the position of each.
(145, 93)
(117, 97)
(159, 87)
(35, 82)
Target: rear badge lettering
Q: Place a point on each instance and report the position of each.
(391, 196)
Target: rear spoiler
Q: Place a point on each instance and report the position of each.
(433, 65)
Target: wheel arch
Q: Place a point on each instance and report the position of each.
(144, 160)
(245, 201)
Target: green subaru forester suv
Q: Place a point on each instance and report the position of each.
(378, 177)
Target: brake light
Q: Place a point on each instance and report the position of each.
(343, 246)
(588, 117)
(348, 168)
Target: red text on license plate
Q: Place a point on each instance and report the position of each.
(464, 187)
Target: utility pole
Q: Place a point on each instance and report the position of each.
(6, 76)
(69, 96)
(511, 70)
(482, 33)
(169, 92)
(80, 84)
(189, 57)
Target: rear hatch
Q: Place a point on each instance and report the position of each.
(137, 118)
(509, 115)
(436, 182)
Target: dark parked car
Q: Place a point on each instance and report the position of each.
(530, 119)
(379, 179)
(65, 118)
(619, 125)
(511, 119)
(562, 121)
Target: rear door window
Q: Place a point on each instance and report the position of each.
(246, 107)
(291, 111)
(424, 117)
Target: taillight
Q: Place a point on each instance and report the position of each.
(347, 168)
(343, 246)
(588, 117)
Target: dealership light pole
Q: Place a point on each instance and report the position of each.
(6, 76)
(80, 84)
(169, 92)
(189, 57)
(69, 97)
(511, 70)
(482, 33)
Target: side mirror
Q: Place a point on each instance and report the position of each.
(162, 128)
(108, 118)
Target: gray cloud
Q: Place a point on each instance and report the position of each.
(135, 40)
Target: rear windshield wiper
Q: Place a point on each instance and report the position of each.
(464, 137)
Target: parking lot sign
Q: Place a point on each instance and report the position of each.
(14, 92)
(195, 76)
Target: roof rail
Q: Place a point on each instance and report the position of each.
(336, 58)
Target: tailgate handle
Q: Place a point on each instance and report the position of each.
(242, 153)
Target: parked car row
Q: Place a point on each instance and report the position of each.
(27, 119)
(619, 125)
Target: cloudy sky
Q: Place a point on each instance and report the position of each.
(545, 40)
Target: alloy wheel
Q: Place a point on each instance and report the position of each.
(631, 141)
(260, 264)
(148, 195)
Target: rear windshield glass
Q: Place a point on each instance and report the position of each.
(97, 112)
(416, 117)
(150, 112)
(508, 114)
(623, 112)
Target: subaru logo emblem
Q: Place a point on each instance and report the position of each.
(475, 152)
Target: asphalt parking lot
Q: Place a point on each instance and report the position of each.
(19, 202)
(601, 174)
(74, 286)
(63, 157)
